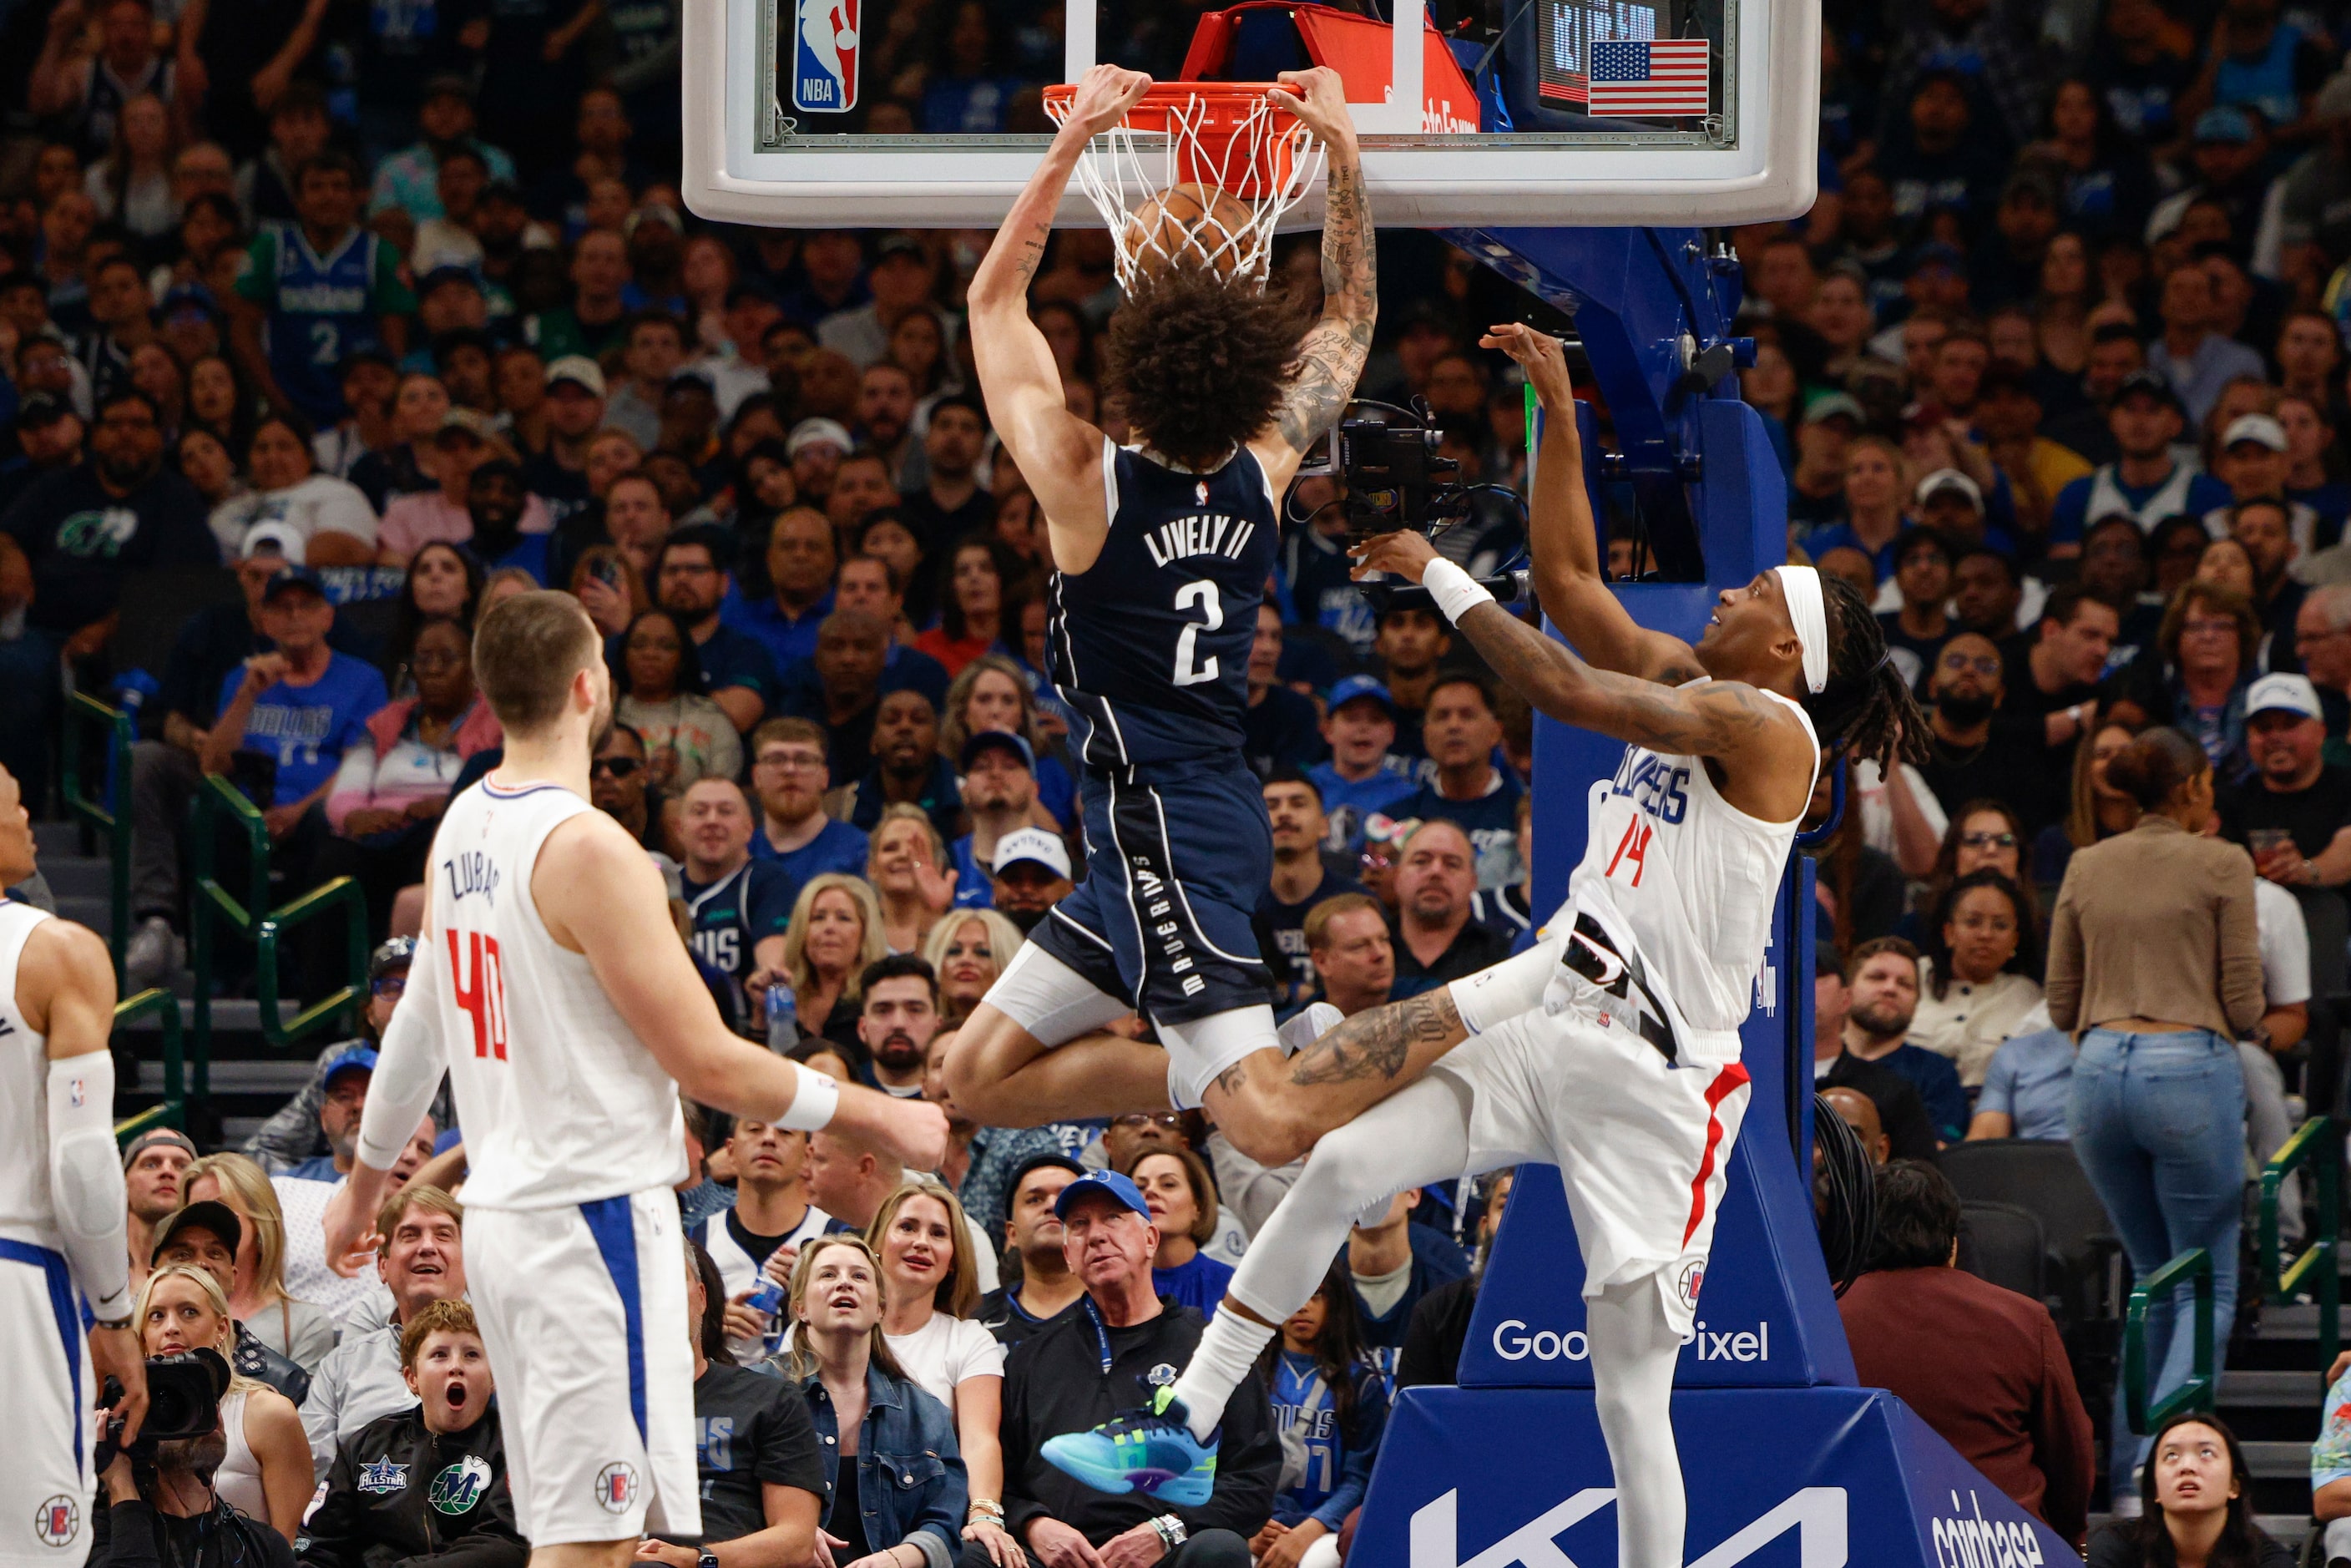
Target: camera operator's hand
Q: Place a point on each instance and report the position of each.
(120, 1485)
(116, 1354)
(1402, 552)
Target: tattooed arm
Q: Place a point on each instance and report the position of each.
(1375, 1044)
(1334, 350)
(1764, 752)
(1059, 453)
(1563, 540)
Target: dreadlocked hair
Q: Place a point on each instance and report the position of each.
(1867, 707)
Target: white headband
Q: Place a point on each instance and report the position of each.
(1802, 587)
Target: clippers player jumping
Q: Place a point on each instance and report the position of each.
(1611, 1049)
(1161, 553)
(63, 1237)
(552, 987)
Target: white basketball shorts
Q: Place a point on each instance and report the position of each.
(47, 1390)
(1643, 1145)
(583, 1314)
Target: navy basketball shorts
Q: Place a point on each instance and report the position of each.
(1176, 858)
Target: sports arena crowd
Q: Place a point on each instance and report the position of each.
(324, 326)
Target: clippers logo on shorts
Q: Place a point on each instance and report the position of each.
(824, 56)
(1690, 1279)
(457, 1488)
(56, 1522)
(616, 1487)
(382, 1478)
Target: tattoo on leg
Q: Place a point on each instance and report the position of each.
(1377, 1043)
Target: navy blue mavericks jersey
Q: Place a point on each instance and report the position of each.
(1150, 647)
(321, 308)
(734, 914)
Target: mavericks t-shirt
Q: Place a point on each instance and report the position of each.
(750, 1430)
(307, 729)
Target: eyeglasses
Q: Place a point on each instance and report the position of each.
(1988, 840)
(1132, 1120)
(1955, 661)
(2199, 626)
(792, 761)
(613, 767)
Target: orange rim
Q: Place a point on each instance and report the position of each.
(1228, 103)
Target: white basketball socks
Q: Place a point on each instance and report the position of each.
(1226, 1357)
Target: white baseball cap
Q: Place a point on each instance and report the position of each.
(2258, 428)
(2283, 693)
(1951, 479)
(1036, 844)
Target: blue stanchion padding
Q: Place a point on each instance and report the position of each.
(1777, 1477)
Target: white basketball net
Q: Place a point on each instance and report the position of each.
(1255, 162)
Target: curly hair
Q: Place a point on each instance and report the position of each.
(1867, 707)
(1200, 362)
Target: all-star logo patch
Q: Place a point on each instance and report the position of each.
(458, 1487)
(56, 1522)
(384, 1476)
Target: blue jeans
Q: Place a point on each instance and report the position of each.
(2158, 1124)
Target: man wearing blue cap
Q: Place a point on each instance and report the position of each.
(999, 792)
(1121, 1343)
(346, 1086)
(1363, 777)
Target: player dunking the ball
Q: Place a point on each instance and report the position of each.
(1161, 553)
(1611, 1049)
(552, 987)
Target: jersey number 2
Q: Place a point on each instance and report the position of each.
(483, 997)
(1203, 593)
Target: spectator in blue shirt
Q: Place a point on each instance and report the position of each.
(344, 1097)
(2146, 482)
(790, 772)
(495, 500)
(1183, 1200)
(1391, 1265)
(1885, 997)
(999, 792)
(691, 581)
(1363, 775)
(301, 706)
(1460, 731)
(799, 561)
(1335, 1408)
(2025, 1088)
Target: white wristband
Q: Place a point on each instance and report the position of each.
(813, 1101)
(1456, 591)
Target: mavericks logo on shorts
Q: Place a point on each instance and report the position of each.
(56, 1522)
(616, 1487)
(457, 1488)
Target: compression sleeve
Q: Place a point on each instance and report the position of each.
(408, 1069)
(85, 1180)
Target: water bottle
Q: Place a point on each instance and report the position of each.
(783, 1017)
(768, 1299)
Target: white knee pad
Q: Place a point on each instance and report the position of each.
(1051, 1001)
(1198, 1051)
(1504, 991)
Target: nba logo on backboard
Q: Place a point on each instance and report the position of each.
(824, 56)
(616, 1487)
(56, 1522)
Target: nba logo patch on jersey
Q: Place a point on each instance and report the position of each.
(1200, 492)
(616, 1487)
(76, 1092)
(56, 1522)
(824, 56)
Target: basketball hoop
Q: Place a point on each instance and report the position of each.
(1198, 173)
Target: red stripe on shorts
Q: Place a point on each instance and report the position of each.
(1729, 1079)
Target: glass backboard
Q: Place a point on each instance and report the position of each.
(928, 113)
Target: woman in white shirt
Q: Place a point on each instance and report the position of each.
(1974, 988)
(302, 1331)
(267, 1472)
(930, 1279)
(321, 520)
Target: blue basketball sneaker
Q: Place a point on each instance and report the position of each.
(1148, 1450)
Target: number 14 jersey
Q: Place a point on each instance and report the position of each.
(1150, 645)
(561, 1103)
(1688, 879)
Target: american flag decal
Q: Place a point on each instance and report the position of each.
(1658, 78)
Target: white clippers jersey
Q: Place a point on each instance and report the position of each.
(1689, 878)
(560, 1101)
(27, 1211)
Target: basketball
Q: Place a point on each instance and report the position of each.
(1190, 224)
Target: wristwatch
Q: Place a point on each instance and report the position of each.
(708, 1559)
